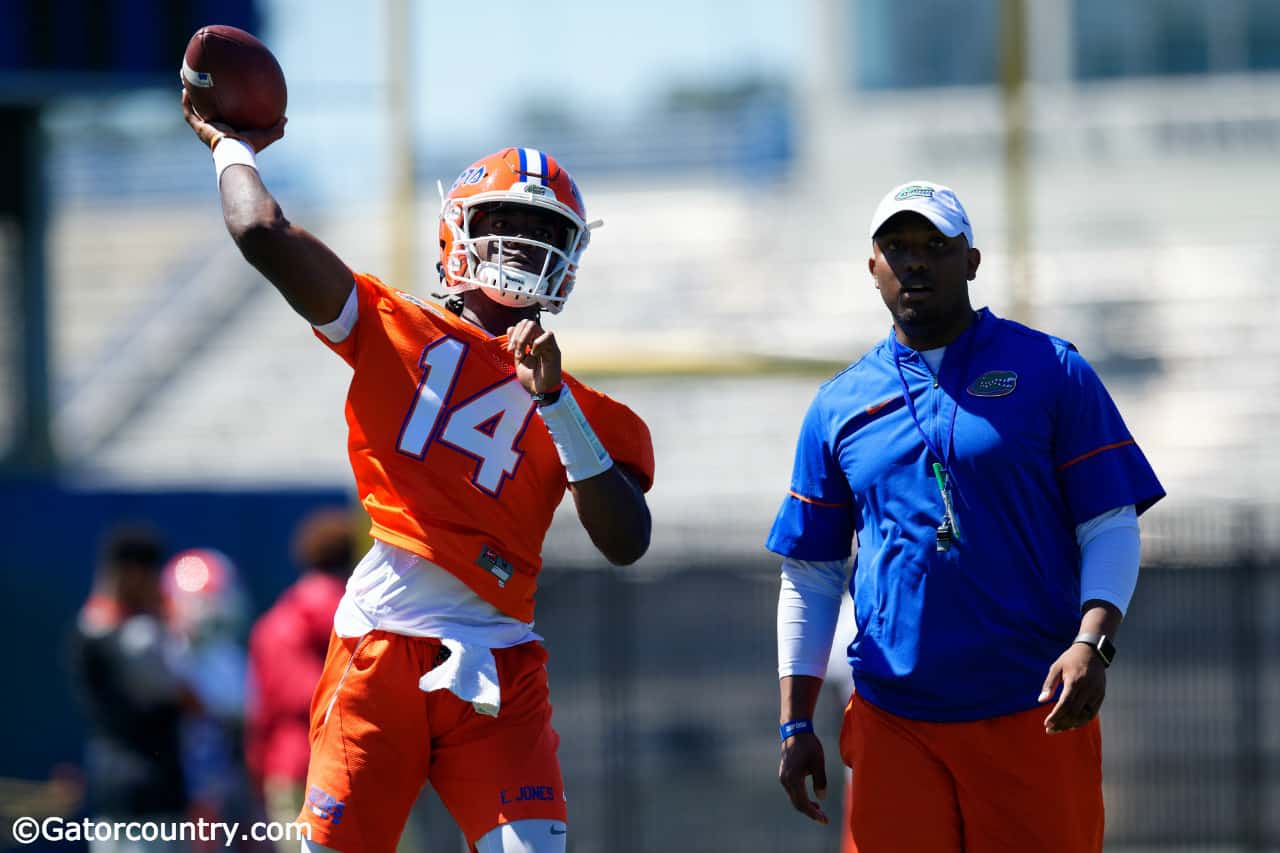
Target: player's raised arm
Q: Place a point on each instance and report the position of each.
(312, 278)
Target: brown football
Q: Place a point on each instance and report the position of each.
(234, 79)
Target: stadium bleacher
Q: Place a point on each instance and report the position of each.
(171, 349)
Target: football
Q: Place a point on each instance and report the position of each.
(234, 79)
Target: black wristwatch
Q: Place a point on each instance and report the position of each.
(1101, 644)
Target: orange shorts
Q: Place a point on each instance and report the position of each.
(376, 739)
(990, 786)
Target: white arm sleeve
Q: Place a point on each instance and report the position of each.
(1110, 550)
(338, 329)
(808, 606)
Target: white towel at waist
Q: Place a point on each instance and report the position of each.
(470, 673)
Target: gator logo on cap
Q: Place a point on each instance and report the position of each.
(914, 191)
(994, 383)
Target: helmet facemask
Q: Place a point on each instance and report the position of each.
(490, 262)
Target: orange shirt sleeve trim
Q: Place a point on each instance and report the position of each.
(801, 497)
(1065, 465)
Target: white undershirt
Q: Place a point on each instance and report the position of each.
(397, 591)
(933, 358)
(808, 608)
(339, 328)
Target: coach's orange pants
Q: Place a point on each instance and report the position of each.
(991, 786)
(376, 738)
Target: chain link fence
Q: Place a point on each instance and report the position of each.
(664, 686)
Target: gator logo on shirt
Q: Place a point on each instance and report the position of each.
(994, 383)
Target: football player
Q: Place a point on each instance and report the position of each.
(464, 434)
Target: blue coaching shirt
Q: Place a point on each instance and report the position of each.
(1034, 446)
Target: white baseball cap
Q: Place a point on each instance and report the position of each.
(933, 201)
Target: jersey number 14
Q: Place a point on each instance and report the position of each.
(485, 426)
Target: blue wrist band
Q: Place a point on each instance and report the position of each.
(794, 727)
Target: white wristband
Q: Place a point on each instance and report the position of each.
(581, 452)
(232, 152)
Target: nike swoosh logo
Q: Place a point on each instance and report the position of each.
(871, 410)
(558, 830)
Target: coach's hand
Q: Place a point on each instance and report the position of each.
(1083, 677)
(537, 356)
(802, 757)
(208, 131)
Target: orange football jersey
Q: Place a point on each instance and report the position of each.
(450, 459)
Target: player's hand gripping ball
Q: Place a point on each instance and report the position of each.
(232, 78)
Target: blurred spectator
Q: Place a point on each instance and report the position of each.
(208, 613)
(286, 655)
(123, 667)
